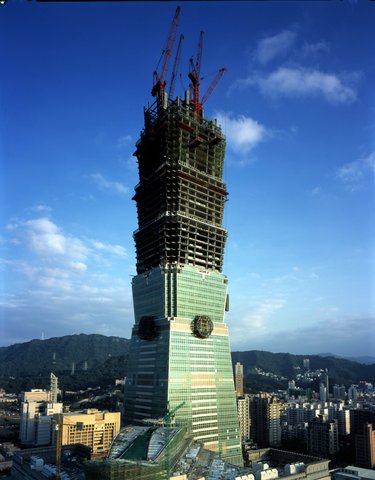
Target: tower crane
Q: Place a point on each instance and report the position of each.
(195, 78)
(159, 78)
(194, 75)
(175, 67)
(213, 84)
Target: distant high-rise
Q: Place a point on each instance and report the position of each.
(54, 388)
(339, 392)
(238, 376)
(180, 354)
(306, 364)
(365, 446)
(265, 413)
(322, 392)
(243, 405)
(37, 409)
(352, 393)
(323, 437)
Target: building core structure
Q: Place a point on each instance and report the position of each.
(180, 354)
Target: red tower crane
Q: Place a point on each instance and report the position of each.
(194, 75)
(175, 67)
(213, 84)
(159, 78)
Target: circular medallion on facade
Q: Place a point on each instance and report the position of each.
(202, 326)
(147, 329)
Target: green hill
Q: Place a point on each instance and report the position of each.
(340, 371)
(99, 360)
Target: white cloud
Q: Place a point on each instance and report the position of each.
(110, 185)
(124, 141)
(106, 247)
(243, 133)
(40, 208)
(316, 191)
(275, 46)
(254, 321)
(309, 49)
(56, 278)
(45, 238)
(261, 329)
(304, 82)
(353, 174)
(79, 266)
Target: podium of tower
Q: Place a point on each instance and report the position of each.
(180, 348)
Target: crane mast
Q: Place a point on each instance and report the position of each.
(175, 67)
(159, 82)
(159, 78)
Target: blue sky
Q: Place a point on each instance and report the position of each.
(297, 107)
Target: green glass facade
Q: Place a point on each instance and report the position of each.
(180, 352)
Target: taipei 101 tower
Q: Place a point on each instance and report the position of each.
(180, 353)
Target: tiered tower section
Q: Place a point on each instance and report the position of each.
(180, 353)
(181, 195)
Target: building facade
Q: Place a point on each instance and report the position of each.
(180, 354)
(243, 405)
(90, 427)
(323, 437)
(37, 410)
(238, 376)
(365, 446)
(265, 417)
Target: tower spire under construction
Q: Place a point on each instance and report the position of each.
(180, 351)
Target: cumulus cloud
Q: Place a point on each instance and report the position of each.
(109, 185)
(271, 47)
(304, 82)
(290, 78)
(106, 247)
(254, 321)
(243, 133)
(60, 277)
(45, 238)
(353, 174)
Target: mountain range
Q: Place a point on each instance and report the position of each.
(82, 361)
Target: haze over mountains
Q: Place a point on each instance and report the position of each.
(84, 360)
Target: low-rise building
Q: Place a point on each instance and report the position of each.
(90, 427)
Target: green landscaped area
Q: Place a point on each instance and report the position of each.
(138, 450)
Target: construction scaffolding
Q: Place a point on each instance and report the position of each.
(180, 197)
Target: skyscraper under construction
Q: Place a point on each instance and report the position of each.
(180, 354)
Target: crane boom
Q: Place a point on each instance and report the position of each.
(194, 75)
(199, 54)
(159, 79)
(213, 84)
(175, 67)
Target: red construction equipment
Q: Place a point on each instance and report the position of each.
(214, 82)
(158, 89)
(194, 75)
(175, 67)
(159, 79)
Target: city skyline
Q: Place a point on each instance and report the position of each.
(297, 108)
